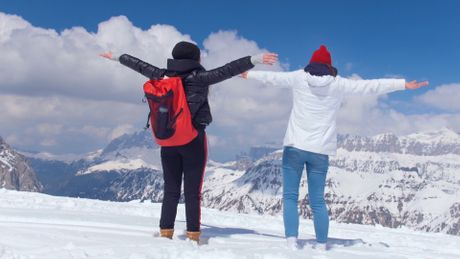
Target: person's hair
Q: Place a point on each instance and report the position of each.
(320, 69)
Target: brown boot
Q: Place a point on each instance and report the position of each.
(168, 233)
(194, 236)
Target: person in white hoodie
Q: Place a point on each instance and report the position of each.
(311, 135)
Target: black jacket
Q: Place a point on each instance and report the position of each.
(195, 79)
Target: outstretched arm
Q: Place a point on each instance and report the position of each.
(235, 68)
(137, 65)
(376, 86)
(278, 79)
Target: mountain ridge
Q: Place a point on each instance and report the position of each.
(388, 180)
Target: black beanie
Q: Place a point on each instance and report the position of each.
(186, 50)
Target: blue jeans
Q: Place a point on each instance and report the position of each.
(317, 165)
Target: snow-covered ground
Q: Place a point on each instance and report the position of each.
(40, 226)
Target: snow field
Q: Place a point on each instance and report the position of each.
(40, 226)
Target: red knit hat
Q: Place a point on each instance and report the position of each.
(321, 55)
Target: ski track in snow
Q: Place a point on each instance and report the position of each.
(40, 226)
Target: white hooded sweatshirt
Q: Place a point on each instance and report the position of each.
(317, 99)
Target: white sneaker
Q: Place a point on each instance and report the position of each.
(292, 243)
(320, 247)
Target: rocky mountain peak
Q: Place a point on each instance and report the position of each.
(141, 139)
(15, 173)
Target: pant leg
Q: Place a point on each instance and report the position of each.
(194, 157)
(293, 165)
(317, 166)
(171, 161)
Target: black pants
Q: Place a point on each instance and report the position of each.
(190, 161)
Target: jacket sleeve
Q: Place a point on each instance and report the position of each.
(142, 67)
(368, 87)
(278, 79)
(227, 71)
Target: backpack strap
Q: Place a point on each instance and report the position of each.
(173, 121)
(147, 125)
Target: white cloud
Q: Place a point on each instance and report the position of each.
(39, 62)
(445, 97)
(76, 125)
(216, 141)
(245, 112)
(48, 142)
(348, 66)
(49, 129)
(121, 130)
(57, 95)
(368, 115)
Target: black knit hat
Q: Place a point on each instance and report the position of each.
(186, 50)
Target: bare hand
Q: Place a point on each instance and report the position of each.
(244, 75)
(413, 85)
(107, 55)
(270, 58)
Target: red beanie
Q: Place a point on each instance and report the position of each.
(321, 55)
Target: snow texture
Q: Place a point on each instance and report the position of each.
(40, 226)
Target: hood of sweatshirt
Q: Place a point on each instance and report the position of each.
(319, 81)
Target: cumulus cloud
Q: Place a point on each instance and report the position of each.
(43, 62)
(57, 95)
(348, 66)
(245, 111)
(369, 115)
(67, 124)
(444, 97)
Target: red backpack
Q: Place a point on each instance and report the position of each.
(169, 113)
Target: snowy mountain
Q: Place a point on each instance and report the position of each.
(127, 169)
(434, 143)
(128, 152)
(364, 188)
(41, 226)
(411, 181)
(15, 173)
(369, 182)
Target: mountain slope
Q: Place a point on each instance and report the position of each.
(15, 173)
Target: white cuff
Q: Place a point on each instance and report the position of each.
(257, 59)
(115, 57)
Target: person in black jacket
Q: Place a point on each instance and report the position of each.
(189, 160)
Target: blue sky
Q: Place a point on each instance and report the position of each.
(413, 39)
(418, 39)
